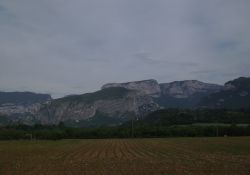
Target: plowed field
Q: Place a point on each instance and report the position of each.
(172, 156)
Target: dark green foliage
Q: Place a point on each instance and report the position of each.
(98, 120)
(162, 123)
(4, 120)
(168, 117)
(227, 99)
(56, 132)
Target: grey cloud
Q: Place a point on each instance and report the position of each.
(68, 47)
(148, 58)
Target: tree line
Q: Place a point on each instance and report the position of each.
(162, 123)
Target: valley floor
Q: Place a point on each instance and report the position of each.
(174, 156)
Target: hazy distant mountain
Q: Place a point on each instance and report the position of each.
(21, 106)
(23, 98)
(235, 94)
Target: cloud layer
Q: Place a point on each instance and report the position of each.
(63, 47)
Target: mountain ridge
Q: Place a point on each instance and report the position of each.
(148, 87)
(235, 94)
(120, 102)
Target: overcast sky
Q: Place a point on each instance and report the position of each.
(74, 46)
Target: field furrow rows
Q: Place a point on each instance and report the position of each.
(177, 156)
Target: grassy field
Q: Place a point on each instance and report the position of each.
(230, 155)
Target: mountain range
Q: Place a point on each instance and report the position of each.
(116, 103)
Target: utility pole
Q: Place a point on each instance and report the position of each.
(132, 128)
(132, 120)
(217, 129)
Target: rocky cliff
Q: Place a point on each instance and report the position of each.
(184, 94)
(114, 102)
(187, 88)
(123, 101)
(21, 102)
(147, 87)
(119, 102)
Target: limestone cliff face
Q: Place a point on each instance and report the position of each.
(21, 106)
(185, 94)
(10, 108)
(112, 102)
(147, 87)
(187, 88)
(121, 101)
